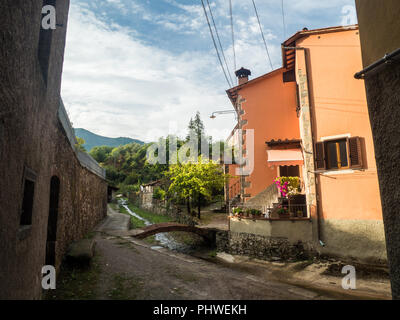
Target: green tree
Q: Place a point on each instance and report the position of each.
(79, 144)
(101, 154)
(191, 181)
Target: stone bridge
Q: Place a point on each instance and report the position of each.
(208, 234)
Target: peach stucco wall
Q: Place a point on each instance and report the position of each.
(270, 109)
(340, 106)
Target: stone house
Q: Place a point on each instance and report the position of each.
(146, 193)
(51, 194)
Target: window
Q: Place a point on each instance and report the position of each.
(336, 154)
(289, 171)
(28, 196)
(339, 154)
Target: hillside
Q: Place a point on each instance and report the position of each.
(94, 140)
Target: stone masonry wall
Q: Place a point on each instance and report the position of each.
(261, 247)
(383, 96)
(162, 208)
(32, 137)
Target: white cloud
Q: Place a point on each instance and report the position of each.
(115, 85)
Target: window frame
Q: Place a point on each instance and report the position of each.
(355, 149)
(338, 154)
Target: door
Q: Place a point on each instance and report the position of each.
(52, 221)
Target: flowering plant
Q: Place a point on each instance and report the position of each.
(288, 185)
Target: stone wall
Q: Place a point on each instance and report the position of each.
(162, 208)
(262, 247)
(32, 137)
(384, 110)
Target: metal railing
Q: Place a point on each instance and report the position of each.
(234, 190)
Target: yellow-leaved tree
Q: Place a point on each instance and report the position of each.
(194, 179)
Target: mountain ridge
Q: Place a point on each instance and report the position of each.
(94, 140)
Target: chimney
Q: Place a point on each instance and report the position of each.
(243, 75)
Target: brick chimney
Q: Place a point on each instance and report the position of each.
(243, 75)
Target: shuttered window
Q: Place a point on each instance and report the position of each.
(319, 156)
(339, 154)
(356, 160)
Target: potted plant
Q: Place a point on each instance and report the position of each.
(283, 212)
(237, 211)
(256, 213)
(299, 213)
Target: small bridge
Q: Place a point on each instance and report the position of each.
(208, 234)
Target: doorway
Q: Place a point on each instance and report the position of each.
(52, 221)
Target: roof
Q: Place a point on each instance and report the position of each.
(284, 143)
(288, 56)
(151, 183)
(233, 92)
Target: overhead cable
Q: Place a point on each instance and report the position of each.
(262, 34)
(215, 45)
(219, 40)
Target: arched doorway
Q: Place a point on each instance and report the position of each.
(52, 221)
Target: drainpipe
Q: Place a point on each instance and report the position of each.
(306, 50)
(387, 59)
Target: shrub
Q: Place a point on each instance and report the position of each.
(237, 210)
(288, 185)
(159, 194)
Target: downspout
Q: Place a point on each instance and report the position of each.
(305, 50)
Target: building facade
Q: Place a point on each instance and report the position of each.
(51, 194)
(266, 108)
(337, 163)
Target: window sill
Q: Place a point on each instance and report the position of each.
(24, 232)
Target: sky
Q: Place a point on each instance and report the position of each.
(142, 68)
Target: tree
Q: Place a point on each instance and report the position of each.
(191, 181)
(79, 144)
(101, 154)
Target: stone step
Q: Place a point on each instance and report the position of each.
(81, 252)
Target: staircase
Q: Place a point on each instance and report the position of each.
(265, 199)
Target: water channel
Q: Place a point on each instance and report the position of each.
(165, 240)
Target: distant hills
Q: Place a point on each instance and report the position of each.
(94, 140)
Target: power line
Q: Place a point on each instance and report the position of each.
(215, 45)
(233, 36)
(219, 40)
(262, 34)
(283, 21)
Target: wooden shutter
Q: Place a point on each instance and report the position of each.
(355, 153)
(319, 156)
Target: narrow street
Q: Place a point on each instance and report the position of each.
(132, 269)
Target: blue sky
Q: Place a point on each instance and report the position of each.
(142, 68)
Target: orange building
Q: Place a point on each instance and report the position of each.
(337, 167)
(266, 108)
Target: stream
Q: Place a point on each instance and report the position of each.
(165, 240)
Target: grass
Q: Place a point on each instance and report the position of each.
(212, 254)
(151, 240)
(150, 216)
(135, 222)
(124, 287)
(76, 283)
(114, 206)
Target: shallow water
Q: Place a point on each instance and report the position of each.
(164, 239)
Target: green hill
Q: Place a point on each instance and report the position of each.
(94, 140)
